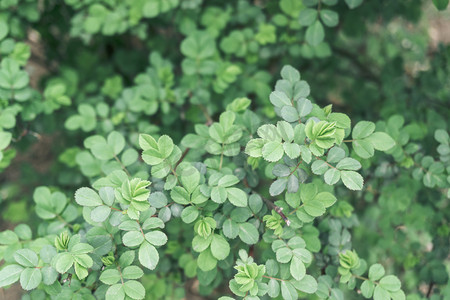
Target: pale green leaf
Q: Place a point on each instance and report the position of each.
(148, 255)
(352, 180)
(30, 278)
(220, 248)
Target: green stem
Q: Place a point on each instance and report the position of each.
(122, 165)
(221, 159)
(279, 279)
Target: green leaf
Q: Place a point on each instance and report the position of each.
(134, 289)
(206, 261)
(314, 208)
(165, 146)
(219, 194)
(352, 180)
(289, 113)
(230, 229)
(30, 278)
(199, 45)
(11, 77)
(335, 154)
(376, 271)
(87, 197)
(5, 139)
(284, 255)
(255, 203)
(440, 4)
(326, 198)
(315, 33)
(307, 16)
(291, 7)
(102, 150)
(319, 167)
(367, 288)
(189, 214)
(132, 238)
(292, 150)
(289, 73)
(190, 178)
(132, 272)
(381, 294)
(297, 268)
(381, 141)
(350, 164)
(199, 243)
(306, 154)
(304, 107)
(279, 99)
(83, 260)
(329, 17)
(110, 276)
(129, 157)
(81, 248)
(278, 186)
(80, 270)
(152, 223)
(146, 142)
(4, 28)
(152, 157)
(237, 197)
(129, 225)
(100, 213)
(363, 129)
(10, 274)
(272, 267)
(269, 132)
(363, 148)
(288, 291)
(274, 288)
(248, 233)
(441, 136)
(217, 132)
(115, 292)
(26, 258)
(390, 283)
(156, 238)
(272, 151)
(353, 3)
(285, 130)
(220, 248)
(107, 195)
(180, 195)
(116, 141)
(239, 104)
(49, 275)
(228, 180)
(8, 237)
(332, 176)
(303, 254)
(398, 295)
(127, 258)
(158, 199)
(307, 284)
(254, 147)
(148, 255)
(63, 262)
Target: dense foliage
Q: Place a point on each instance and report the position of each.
(168, 149)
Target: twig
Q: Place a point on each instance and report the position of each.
(181, 158)
(278, 210)
(430, 289)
